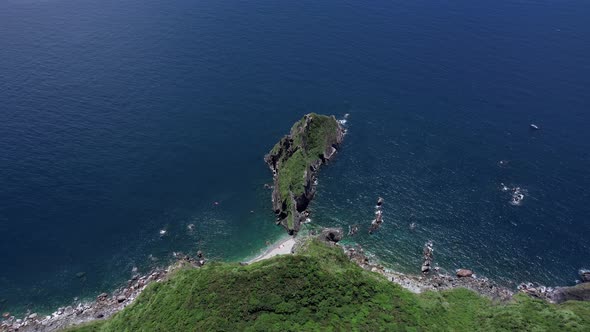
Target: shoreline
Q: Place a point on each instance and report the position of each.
(283, 246)
(105, 305)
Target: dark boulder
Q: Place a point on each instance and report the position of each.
(585, 275)
(332, 235)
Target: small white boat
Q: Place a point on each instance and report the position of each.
(534, 126)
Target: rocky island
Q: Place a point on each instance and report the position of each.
(295, 161)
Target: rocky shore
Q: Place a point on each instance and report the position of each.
(103, 307)
(436, 280)
(295, 161)
(418, 283)
(579, 292)
(432, 279)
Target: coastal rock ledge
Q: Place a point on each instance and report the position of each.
(295, 161)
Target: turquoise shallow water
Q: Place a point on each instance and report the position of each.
(122, 118)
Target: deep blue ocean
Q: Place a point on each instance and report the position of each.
(119, 119)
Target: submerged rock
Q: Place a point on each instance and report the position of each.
(352, 230)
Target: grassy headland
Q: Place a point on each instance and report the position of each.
(320, 289)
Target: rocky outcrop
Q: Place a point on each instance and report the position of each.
(580, 292)
(380, 201)
(585, 275)
(427, 257)
(295, 161)
(331, 235)
(376, 223)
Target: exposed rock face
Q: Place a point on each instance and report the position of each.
(585, 275)
(464, 273)
(331, 235)
(580, 292)
(295, 161)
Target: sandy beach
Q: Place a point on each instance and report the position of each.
(282, 247)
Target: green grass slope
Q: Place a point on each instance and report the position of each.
(295, 153)
(320, 289)
(311, 142)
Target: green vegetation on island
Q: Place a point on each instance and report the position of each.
(319, 288)
(295, 160)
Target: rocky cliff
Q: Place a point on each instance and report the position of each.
(295, 161)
